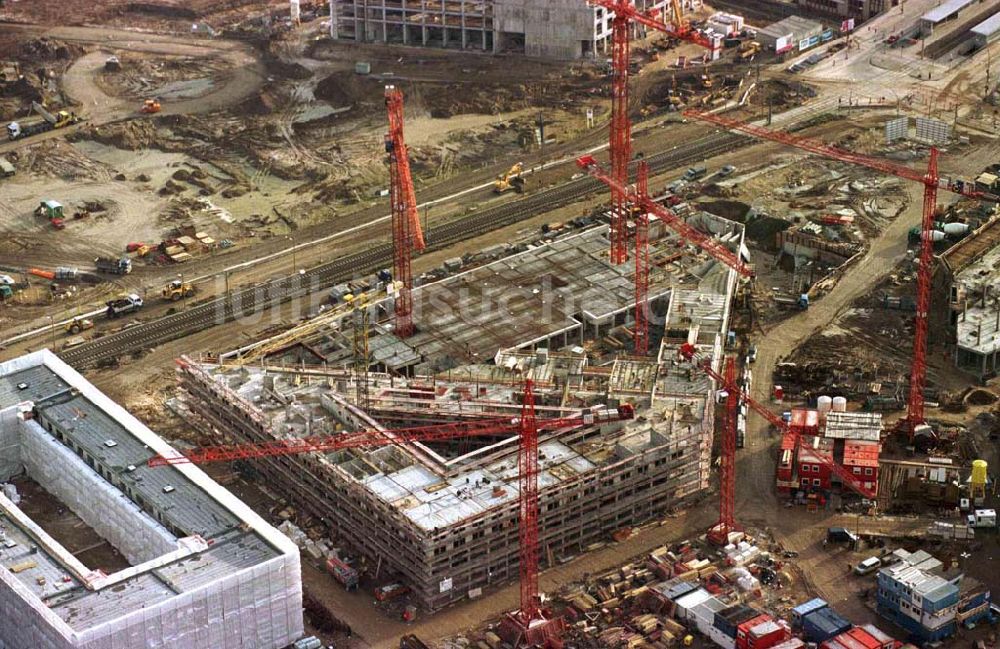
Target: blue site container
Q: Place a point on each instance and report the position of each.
(823, 624)
(805, 609)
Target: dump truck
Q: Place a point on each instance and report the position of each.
(122, 266)
(123, 306)
(62, 119)
(76, 325)
(510, 180)
(177, 289)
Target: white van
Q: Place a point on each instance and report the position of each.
(868, 566)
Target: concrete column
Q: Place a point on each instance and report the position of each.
(461, 10)
(385, 23)
(423, 22)
(444, 24)
(406, 24)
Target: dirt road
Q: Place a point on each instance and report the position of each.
(756, 463)
(247, 72)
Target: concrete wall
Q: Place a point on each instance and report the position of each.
(10, 444)
(259, 607)
(115, 518)
(25, 622)
(553, 29)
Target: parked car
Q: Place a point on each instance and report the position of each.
(868, 566)
(726, 170)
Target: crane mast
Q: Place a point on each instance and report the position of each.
(620, 138)
(407, 235)
(727, 460)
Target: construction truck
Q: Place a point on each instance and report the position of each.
(123, 306)
(151, 106)
(76, 325)
(122, 266)
(800, 303)
(510, 180)
(345, 574)
(17, 131)
(177, 289)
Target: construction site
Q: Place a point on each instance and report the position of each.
(575, 323)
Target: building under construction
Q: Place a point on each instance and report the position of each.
(203, 570)
(558, 29)
(443, 516)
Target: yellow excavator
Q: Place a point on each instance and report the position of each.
(510, 180)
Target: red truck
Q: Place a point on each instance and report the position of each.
(390, 592)
(346, 575)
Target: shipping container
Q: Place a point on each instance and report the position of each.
(823, 624)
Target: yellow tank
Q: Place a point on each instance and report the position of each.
(978, 479)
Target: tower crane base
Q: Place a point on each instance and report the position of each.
(540, 632)
(722, 535)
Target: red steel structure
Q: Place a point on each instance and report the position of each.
(727, 460)
(527, 465)
(620, 141)
(407, 235)
(527, 426)
(931, 182)
(849, 480)
(641, 334)
(692, 235)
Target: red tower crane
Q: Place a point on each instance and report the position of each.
(527, 426)
(689, 233)
(639, 198)
(620, 141)
(727, 460)
(407, 235)
(690, 352)
(931, 182)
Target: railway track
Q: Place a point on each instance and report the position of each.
(249, 301)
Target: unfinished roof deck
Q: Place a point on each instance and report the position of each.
(552, 295)
(435, 488)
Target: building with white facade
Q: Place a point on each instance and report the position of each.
(204, 570)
